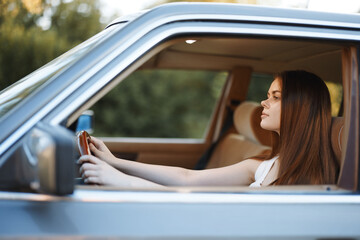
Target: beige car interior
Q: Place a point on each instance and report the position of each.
(248, 140)
(337, 132)
(261, 55)
(251, 140)
(242, 57)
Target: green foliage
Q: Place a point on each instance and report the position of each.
(161, 103)
(21, 12)
(77, 21)
(336, 96)
(24, 46)
(21, 52)
(259, 86)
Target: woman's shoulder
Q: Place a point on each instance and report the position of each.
(260, 168)
(251, 165)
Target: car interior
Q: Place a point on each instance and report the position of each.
(243, 60)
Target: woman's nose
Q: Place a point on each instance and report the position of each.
(264, 104)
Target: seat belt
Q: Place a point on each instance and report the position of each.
(237, 93)
(203, 161)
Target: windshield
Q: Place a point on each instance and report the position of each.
(14, 94)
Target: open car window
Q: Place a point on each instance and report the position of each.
(185, 90)
(160, 103)
(259, 86)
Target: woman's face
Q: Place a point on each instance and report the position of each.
(270, 117)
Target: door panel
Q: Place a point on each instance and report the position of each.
(183, 153)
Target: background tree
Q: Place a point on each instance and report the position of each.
(158, 2)
(160, 103)
(26, 46)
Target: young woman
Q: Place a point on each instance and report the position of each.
(297, 110)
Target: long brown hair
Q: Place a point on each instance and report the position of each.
(304, 144)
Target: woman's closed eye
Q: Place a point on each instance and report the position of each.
(273, 97)
(276, 97)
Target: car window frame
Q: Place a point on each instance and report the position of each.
(167, 32)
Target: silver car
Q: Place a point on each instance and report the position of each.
(238, 48)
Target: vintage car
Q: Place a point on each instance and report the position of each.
(182, 47)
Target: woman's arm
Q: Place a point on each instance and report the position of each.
(235, 175)
(96, 171)
(238, 174)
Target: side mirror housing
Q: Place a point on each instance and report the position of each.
(54, 148)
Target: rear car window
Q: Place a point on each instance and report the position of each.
(160, 104)
(260, 83)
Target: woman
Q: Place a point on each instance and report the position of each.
(297, 110)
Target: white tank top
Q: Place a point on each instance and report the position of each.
(262, 171)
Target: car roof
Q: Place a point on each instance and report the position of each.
(263, 55)
(249, 13)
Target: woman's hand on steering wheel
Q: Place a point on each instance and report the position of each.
(100, 150)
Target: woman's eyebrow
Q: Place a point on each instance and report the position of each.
(273, 92)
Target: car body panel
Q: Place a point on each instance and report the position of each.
(148, 215)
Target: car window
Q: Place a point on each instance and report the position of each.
(160, 104)
(259, 86)
(15, 93)
(336, 96)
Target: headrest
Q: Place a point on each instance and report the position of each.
(247, 118)
(337, 127)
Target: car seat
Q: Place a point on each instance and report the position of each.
(337, 127)
(249, 140)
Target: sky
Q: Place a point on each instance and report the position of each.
(344, 6)
(123, 7)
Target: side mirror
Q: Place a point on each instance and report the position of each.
(54, 149)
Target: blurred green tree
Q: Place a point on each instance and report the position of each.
(21, 12)
(26, 46)
(158, 2)
(77, 21)
(160, 103)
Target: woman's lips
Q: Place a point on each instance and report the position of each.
(264, 115)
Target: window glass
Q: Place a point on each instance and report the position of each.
(160, 104)
(14, 94)
(336, 96)
(260, 83)
(259, 86)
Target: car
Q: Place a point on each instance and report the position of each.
(230, 52)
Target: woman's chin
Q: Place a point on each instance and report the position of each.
(263, 125)
(268, 127)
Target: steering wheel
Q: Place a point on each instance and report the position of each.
(83, 141)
